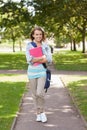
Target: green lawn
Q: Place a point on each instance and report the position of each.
(12, 88)
(74, 61)
(78, 90)
(13, 61)
(68, 60)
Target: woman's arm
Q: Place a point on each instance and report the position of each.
(47, 52)
(41, 59)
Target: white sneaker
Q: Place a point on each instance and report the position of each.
(38, 117)
(43, 117)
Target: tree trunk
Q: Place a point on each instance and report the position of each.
(74, 45)
(13, 45)
(13, 38)
(83, 38)
(20, 45)
(71, 46)
(83, 41)
(83, 33)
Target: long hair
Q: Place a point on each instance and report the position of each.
(40, 29)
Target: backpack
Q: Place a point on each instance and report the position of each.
(48, 72)
(48, 79)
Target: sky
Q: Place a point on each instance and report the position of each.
(12, 0)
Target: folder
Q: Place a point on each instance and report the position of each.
(36, 52)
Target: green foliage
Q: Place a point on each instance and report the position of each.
(10, 96)
(61, 40)
(78, 90)
(17, 20)
(13, 61)
(68, 60)
(13, 19)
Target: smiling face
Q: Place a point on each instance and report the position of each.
(37, 36)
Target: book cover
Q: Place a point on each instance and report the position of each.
(36, 52)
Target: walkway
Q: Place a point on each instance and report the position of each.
(61, 113)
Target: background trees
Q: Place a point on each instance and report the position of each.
(64, 20)
(14, 17)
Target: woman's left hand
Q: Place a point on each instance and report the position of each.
(44, 60)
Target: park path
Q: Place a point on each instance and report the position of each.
(61, 112)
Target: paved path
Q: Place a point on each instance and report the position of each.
(61, 113)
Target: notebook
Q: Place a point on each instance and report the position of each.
(36, 52)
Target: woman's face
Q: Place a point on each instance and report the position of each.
(38, 35)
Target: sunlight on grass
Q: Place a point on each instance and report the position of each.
(77, 84)
(71, 78)
(70, 61)
(78, 90)
(13, 61)
(12, 88)
(13, 78)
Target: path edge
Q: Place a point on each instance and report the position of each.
(20, 106)
(81, 116)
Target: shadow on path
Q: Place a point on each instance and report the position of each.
(61, 113)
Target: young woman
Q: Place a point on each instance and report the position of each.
(37, 74)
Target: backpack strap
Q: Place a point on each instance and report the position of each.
(34, 44)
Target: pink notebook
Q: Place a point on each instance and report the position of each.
(36, 52)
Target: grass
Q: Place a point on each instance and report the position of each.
(77, 84)
(13, 61)
(12, 88)
(68, 60)
(65, 60)
(78, 90)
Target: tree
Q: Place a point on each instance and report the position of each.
(14, 15)
(59, 13)
(53, 15)
(80, 21)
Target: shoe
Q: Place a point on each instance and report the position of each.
(43, 117)
(38, 117)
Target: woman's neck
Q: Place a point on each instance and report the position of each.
(38, 43)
